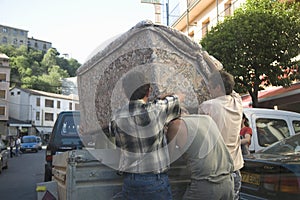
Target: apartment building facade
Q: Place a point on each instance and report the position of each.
(38, 108)
(13, 36)
(17, 37)
(4, 90)
(39, 44)
(196, 17)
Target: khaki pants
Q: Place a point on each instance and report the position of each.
(204, 189)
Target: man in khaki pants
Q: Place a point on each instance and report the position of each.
(226, 109)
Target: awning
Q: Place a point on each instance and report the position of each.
(18, 123)
(247, 100)
(44, 130)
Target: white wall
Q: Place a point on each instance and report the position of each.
(23, 106)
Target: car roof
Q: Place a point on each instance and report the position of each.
(269, 111)
(25, 136)
(69, 111)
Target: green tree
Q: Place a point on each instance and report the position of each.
(53, 78)
(34, 69)
(70, 65)
(49, 59)
(257, 45)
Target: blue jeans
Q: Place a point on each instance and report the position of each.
(146, 187)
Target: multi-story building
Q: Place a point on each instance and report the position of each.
(39, 44)
(18, 37)
(4, 90)
(39, 108)
(13, 36)
(196, 17)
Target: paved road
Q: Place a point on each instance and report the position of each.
(18, 182)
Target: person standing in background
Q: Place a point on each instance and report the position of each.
(245, 133)
(17, 145)
(226, 110)
(11, 145)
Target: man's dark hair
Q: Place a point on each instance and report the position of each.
(222, 77)
(135, 85)
(246, 123)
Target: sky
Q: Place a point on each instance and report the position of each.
(75, 27)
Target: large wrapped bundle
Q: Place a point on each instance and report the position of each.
(171, 61)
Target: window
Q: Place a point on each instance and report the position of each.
(44, 46)
(58, 104)
(189, 2)
(70, 125)
(49, 117)
(2, 77)
(12, 94)
(36, 45)
(77, 106)
(2, 94)
(4, 40)
(70, 106)
(38, 101)
(227, 8)
(296, 125)
(19, 92)
(4, 30)
(205, 25)
(271, 130)
(2, 110)
(15, 41)
(37, 116)
(49, 103)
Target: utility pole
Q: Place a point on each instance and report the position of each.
(187, 17)
(217, 5)
(167, 11)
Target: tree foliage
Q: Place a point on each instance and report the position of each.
(35, 69)
(257, 45)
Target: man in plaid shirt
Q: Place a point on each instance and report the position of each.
(139, 132)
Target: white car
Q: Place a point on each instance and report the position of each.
(269, 126)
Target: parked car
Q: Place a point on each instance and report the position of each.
(269, 126)
(29, 143)
(3, 156)
(274, 172)
(64, 137)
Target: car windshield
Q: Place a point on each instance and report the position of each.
(290, 145)
(28, 140)
(271, 130)
(70, 125)
(2, 145)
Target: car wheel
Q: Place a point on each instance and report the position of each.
(6, 165)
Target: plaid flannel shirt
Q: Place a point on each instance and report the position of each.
(139, 131)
